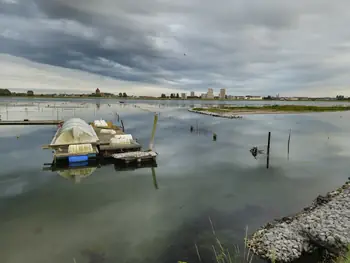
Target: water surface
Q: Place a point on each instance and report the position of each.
(119, 216)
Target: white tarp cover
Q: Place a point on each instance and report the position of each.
(121, 139)
(73, 131)
(100, 123)
(108, 131)
(80, 148)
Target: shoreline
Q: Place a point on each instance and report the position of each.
(264, 110)
(324, 225)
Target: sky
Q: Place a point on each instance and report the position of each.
(149, 47)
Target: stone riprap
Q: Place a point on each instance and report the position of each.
(325, 224)
(228, 115)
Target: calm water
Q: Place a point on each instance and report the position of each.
(120, 217)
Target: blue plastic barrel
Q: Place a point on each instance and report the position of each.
(78, 158)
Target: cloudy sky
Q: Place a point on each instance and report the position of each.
(299, 47)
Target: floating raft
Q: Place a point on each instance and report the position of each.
(139, 156)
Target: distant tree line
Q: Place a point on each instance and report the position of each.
(5, 92)
(341, 97)
(30, 93)
(172, 96)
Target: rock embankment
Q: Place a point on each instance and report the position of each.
(228, 115)
(325, 224)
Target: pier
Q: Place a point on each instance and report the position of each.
(31, 122)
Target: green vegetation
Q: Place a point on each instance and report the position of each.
(5, 92)
(275, 108)
(345, 258)
(223, 255)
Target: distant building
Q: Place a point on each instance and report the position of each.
(183, 96)
(222, 94)
(192, 94)
(210, 94)
(203, 95)
(98, 92)
(30, 93)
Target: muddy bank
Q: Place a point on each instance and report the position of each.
(324, 225)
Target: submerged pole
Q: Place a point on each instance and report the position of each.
(290, 131)
(151, 142)
(268, 151)
(214, 137)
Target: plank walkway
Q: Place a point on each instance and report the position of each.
(31, 122)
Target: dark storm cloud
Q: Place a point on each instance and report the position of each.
(261, 47)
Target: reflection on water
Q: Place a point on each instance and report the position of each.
(78, 171)
(115, 214)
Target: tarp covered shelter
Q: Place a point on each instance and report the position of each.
(74, 131)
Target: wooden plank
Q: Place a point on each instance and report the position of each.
(31, 122)
(120, 146)
(135, 155)
(55, 146)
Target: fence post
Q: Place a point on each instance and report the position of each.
(268, 151)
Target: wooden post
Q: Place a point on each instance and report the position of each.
(197, 127)
(290, 131)
(122, 123)
(268, 151)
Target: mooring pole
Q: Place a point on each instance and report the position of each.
(122, 123)
(290, 131)
(268, 151)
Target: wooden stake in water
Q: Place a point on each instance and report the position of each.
(290, 131)
(268, 151)
(151, 142)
